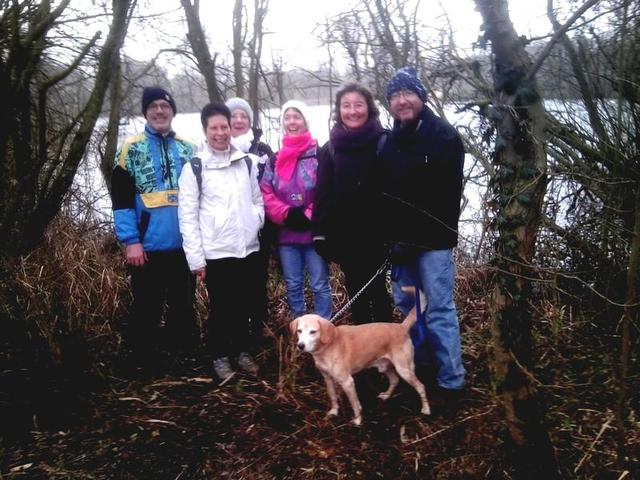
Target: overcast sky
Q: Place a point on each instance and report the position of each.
(291, 24)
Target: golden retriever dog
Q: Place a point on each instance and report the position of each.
(341, 351)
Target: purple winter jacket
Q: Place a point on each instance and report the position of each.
(279, 195)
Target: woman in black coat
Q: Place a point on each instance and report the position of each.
(344, 215)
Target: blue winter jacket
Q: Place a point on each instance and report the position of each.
(144, 189)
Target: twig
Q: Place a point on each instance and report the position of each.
(556, 36)
(168, 383)
(227, 379)
(132, 399)
(182, 473)
(269, 449)
(449, 427)
(162, 422)
(593, 444)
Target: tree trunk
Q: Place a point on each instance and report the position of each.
(628, 318)
(238, 47)
(518, 188)
(198, 41)
(111, 146)
(37, 179)
(631, 297)
(109, 57)
(261, 7)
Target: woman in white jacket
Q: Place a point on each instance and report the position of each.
(220, 213)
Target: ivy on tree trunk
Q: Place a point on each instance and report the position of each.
(518, 189)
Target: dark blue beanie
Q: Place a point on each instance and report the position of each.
(151, 94)
(406, 78)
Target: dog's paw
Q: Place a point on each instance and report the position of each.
(384, 396)
(332, 413)
(426, 410)
(357, 421)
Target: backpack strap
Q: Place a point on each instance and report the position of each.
(247, 160)
(332, 150)
(382, 140)
(196, 166)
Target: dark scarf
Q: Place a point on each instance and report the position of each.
(347, 141)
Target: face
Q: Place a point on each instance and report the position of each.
(159, 115)
(239, 123)
(218, 132)
(307, 329)
(293, 122)
(354, 111)
(405, 106)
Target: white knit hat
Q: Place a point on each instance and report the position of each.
(237, 103)
(301, 107)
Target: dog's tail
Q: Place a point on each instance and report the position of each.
(411, 318)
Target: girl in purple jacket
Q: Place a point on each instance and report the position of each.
(288, 186)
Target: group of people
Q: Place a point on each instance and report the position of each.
(187, 212)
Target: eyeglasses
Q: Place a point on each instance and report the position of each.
(406, 94)
(164, 106)
(240, 116)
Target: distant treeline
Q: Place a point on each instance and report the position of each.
(318, 87)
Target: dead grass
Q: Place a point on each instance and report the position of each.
(74, 285)
(184, 425)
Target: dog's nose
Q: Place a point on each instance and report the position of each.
(301, 345)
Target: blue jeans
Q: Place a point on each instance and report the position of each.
(295, 259)
(434, 273)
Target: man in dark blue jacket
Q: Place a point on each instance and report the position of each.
(421, 171)
(145, 213)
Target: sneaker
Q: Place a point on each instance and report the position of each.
(222, 367)
(246, 363)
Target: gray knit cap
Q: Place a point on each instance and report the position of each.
(237, 103)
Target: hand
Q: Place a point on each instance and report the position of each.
(136, 256)
(401, 254)
(323, 248)
(297, 220)
(201, 274)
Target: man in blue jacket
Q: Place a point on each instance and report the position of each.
(145, 212)
(421, 172)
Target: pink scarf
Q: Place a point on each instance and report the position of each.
(292, 148)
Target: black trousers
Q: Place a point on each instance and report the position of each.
(235, 287)
(163, 285)
(259, 310)
(374, 304)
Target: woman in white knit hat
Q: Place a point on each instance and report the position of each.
(288, 187)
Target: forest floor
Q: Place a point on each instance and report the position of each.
(180, 422)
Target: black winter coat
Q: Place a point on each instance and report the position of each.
(344, 205)
(420, 176)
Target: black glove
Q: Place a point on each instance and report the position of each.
(323, 248)
(297, 220)
(401, 254)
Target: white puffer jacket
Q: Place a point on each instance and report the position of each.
(224, 219)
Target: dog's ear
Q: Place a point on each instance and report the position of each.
(327, 331)
(293, 326)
